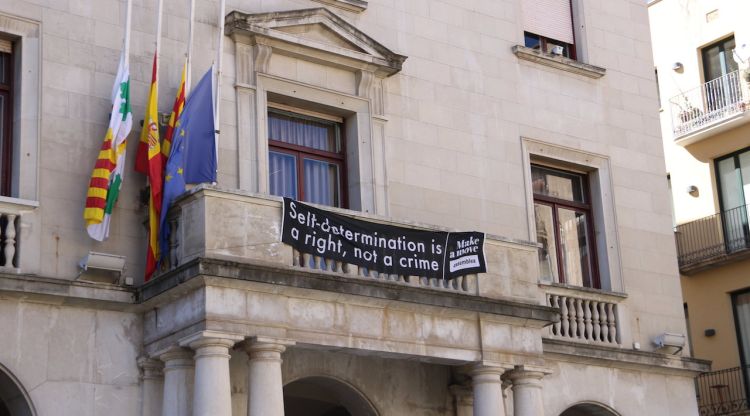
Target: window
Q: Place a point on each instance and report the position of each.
(733, 177)
(306, 158)
(722, 89)
(6, 117)
(564, 227)
(548, 26)
(741, 306)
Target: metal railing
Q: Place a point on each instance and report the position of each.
(713, 237)
(712, 102)
(723, 392)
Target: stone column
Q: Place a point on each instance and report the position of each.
(527, 392)
(178, 382)
(464, 400)
(488, 390)
(265, 389)
(153, 386)
(212, 392)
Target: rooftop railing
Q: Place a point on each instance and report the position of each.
(713, 238)
(710, 103)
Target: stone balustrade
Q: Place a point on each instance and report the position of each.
(230, 225)
(584, 316)
(15, 215)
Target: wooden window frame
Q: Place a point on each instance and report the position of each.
(556, 204)
(303, 152)
(6, 144)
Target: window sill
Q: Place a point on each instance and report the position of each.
(349, 5)
(559, 62)
(596, 294)
(10, 205)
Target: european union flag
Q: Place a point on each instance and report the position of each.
(193, 155)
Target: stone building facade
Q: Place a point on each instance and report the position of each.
(537, 126)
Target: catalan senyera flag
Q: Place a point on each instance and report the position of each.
(179, 104)
(106, 179)
(149, 160)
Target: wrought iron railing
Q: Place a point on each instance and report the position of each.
(713, 237)
(723, 392)
(709, 103)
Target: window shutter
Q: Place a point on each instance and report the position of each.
(548, 18)
(6, 46)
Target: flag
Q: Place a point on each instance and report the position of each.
(179, 103)
(193, 155)
(106, 179)
(148, 160)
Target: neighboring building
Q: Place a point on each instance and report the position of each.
(701, 50)
(534, 123)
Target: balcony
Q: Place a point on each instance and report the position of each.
(587, 316)
(715, 106)
(723, 392)
(713, 240)
(244, 229)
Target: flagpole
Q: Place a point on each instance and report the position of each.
(217, 100)
(157, 48)
(128, 18)
(189, 48)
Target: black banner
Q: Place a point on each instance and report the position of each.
(384, 248)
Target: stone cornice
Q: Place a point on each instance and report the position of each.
(184, 277)
(68, 292)
(348, 5)
(557, 61)
(622, 358)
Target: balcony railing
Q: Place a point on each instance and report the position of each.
(710, 103)
(713, 238)
(723, 392)
(590, 318)
(244, 228)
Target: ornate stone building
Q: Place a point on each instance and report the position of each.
(534, 122)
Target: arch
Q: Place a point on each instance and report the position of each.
(325, 396)
(14, 400)
(589, 409)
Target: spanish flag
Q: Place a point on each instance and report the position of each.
(149, 161)
(179, 103)
(107, 176)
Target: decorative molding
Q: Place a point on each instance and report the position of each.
(316, 35)
(364, 83)
(356, 6)
(557, 61)
(262, 57)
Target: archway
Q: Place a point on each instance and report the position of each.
(13, 398)
(324, 396)
(588, 409)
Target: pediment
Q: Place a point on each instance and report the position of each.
(315, 33)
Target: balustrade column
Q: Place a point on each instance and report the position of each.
(527, 392)
(152, 378)
(178, 382)
(10, 240)
(212, 395)
(265, 389)
(488, 390)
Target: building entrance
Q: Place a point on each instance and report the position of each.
(324, 396)
(588, 409)
(13, 400)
